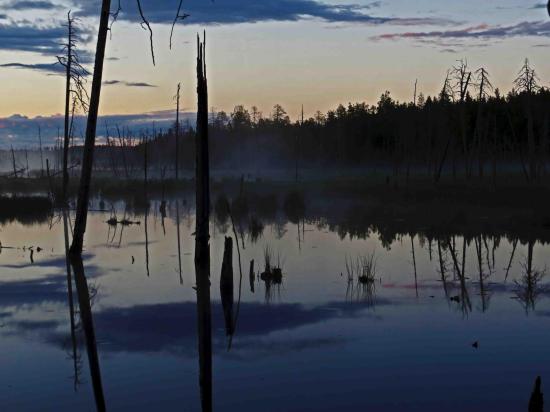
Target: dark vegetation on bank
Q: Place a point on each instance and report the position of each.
(352, 207)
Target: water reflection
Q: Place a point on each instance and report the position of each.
(86, 318)
(307, 315)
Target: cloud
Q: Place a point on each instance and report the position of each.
(22, 131)
(128, 84)
(48, 41)
(31, 5)
(51, 68)
(479, 32)
(246, 11)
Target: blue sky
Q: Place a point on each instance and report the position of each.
(291, 52)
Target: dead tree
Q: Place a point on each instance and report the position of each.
(41, 155)
(13, 162)
(462, 76)
(527, 83)
(177, 130)
(202, 235)
(91, 126)
(75, 78)
(485, 88)
(89, 143)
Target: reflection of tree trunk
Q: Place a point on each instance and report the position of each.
(146, 203)
(202, 247)
(88, 326)
(252, 276)
(482, 291)
(442, 269)
(89, 144)
(414, 265)
(179, 239)
(226, 285)
(511, 259)
(70, 294)
(466, 305)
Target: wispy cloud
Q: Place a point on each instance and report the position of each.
(128, 84)
(479, 32)
(51, 68)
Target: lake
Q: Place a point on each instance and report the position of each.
(405, 339)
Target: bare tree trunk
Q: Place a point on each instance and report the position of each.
(531, 141)
(41, 155)
(67, 110)
(13, 161)
(89, 144)
(177, 131)
(202, 235)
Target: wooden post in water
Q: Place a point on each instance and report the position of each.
(202, 235)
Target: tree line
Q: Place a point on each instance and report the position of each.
(469, 129)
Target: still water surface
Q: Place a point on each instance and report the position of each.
(317, 341)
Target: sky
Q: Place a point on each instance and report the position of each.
(293, 52)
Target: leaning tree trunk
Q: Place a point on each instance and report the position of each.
(89, 144)
(202, 247)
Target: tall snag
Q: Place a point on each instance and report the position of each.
(75, 76)
(89, 143)
(202, 236)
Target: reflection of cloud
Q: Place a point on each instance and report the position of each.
(52, 262)
(171, 327)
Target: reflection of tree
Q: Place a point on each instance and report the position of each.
(74, 355)
(464, 299)
(86, 319)
(528, 288)
(443, 268)
(483, 290)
